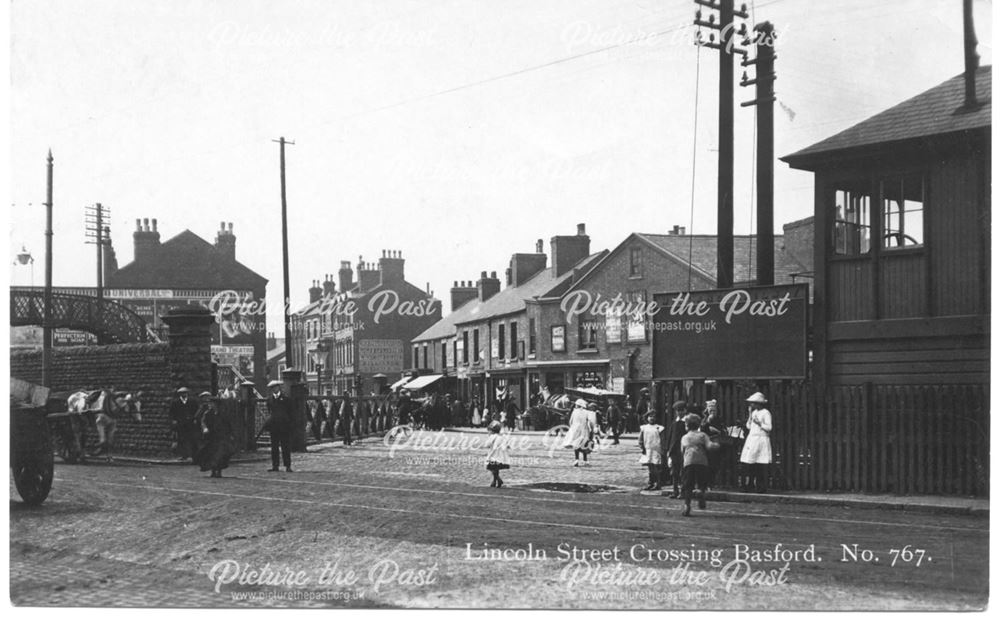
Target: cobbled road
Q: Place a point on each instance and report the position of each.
(416, 525)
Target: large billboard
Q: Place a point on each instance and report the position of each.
(748, 333)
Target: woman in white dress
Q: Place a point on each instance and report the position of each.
(756, 455)
(581, 432)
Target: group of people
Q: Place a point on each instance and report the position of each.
(200, 432)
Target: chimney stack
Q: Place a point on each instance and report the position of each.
(368, 275)
(144, 240)
(225, 241)
(567, 251)
(487, 286)
(461, 293)
(390, 267)
(329, 286)
(272, 342)
(345, 277)
(108, 257)
(315, 292)
(524, 266)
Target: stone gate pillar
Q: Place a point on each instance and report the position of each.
(297, 391)
(190, 339)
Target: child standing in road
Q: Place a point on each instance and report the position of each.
(651, 444)
(497, 457)
(695, 445)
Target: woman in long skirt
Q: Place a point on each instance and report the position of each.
(218, 434)
(756, 455)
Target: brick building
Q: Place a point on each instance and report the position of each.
(357, 330)
(550, 326)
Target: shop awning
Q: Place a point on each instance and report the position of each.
(400, 383)
(423, 381)
(574, 363)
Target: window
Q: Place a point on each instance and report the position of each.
(416, 356)
(502, 341)
(513, 340)
(444, 355)
(588, 333)
(635, 262)
(902, 212)
(475, 345)
(426, 364)
(852, 222)
(531, 336)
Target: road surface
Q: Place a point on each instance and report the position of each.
(418, 526)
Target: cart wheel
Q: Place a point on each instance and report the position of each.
(31, 455)
(33, 479)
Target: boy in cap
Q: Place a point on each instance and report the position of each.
(695, 446)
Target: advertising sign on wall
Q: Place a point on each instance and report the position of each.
(748, 333)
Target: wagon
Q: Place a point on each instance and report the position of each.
(31, 460)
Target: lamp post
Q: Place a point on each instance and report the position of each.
(319, 357)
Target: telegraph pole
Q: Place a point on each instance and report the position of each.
(97, 230)
(764, 36)
(726, 50)
(284, 254)
(47, 304)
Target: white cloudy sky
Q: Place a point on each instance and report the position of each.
(456, 131)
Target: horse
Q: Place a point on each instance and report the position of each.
(107, 406)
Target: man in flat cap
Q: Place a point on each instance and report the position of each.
(279, 425)
(184, 423)
(675, 455)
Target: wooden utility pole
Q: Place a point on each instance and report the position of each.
(97, 230)
(764, 101)
(726, 48)
(47, 301)
(289, 363)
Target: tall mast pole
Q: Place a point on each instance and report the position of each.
(47, 304)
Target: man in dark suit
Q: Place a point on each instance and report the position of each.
(184, 423)
(279, 425)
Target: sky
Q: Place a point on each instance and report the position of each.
(458, 132)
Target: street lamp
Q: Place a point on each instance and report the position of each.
(319, 357)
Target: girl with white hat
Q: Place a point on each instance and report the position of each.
(756, 455)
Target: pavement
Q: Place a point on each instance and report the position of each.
(872, 501)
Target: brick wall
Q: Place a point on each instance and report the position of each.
(156, 370)
(125, 367)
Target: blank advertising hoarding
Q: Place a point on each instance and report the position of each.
(754, 332)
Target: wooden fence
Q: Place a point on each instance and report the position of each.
(870, 438)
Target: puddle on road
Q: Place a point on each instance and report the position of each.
(570, 487)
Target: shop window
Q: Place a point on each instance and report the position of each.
(902, 212)
(852, 222)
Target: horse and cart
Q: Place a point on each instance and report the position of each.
(554, 409)
(45, 423)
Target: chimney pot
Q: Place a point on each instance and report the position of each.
(138, 224)
(222, 226)
(493, 274)
(538, 246)
(581, 229)
(483, 276)
(154, 224)
(145, 224)
(230, 228)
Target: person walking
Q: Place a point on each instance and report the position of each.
(279, 425)
(651, 445)
(219, 446)
(580, 435)
(183, 413)
(346, 416)
(756, 455)
(675, 456)
(497, 457)
(613, 415)
(712, 426)
(695, 446)
(477, 414)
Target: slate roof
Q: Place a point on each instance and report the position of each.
(510, 300)
(186, 261)
(703, 250)
(936, 111)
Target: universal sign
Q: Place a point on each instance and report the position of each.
(755, 333)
